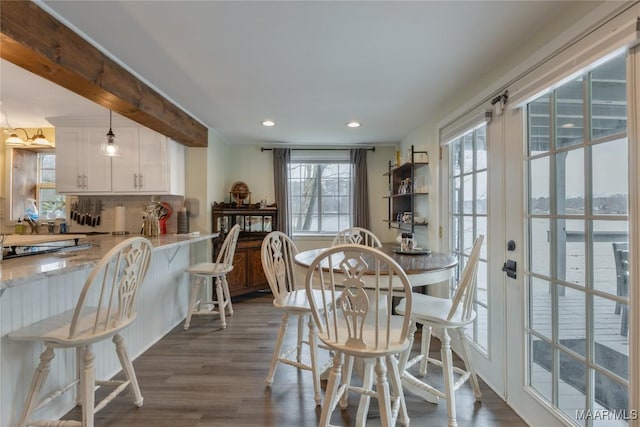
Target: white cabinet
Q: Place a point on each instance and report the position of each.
(150, 164)
(80, 168)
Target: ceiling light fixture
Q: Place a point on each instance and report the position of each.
(109, 147)
(38, 138)
(353, 124)
(268, 123)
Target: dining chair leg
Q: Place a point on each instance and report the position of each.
(301, 320)
(425, 347)
(79, 353)
(227, 295)
(382, 391)
(473, 378)
(332, 390)
(196, 285)
(127, 368)
(221, 305)
(88, 383)
(447, 370)
(365, 399)
(39, 377)
(347, 372)
(398, 391)
(313, 350)
(278, 348)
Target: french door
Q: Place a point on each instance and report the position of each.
(568, 212)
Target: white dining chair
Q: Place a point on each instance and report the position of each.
(360, 323)
(106, 306)
(200, 273)
(357, 235)
(278, 251)
(444, 314)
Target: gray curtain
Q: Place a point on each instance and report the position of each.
(361, 212)
(281, 159)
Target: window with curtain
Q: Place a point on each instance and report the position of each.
(321, 190)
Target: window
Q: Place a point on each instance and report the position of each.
(321, 192)
(51, 204)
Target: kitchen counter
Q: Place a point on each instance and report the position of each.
(35, 287)
(18, 271)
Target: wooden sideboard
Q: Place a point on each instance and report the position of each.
(255, 223)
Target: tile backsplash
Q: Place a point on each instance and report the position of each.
(135, 207)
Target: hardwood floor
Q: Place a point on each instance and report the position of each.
(211, 377)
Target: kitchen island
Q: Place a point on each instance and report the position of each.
(38, 286)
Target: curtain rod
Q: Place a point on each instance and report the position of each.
(321, 149)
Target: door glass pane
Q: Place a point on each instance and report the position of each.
(609, 99)
(541, 368)
(609, 237)
(481, 148)
(538, 121)
(481, 193)
(610, 172)
(570, 182)
(539, 202)
(572, 319)
(611, 344)
(540, 302)
(456, 158)
(570, 251)
(467, 183)
(571, 387)
(456, 195)
(569, 115)
(539, 255)
(611, 395)
(467, 161)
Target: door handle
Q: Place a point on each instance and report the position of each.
(510, 268)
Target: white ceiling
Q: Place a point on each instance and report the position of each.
(311, 66)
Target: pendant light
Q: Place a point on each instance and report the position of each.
(109, 147)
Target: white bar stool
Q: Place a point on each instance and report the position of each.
(218, 270)
(107, 305)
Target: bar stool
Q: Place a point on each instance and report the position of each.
(107, 305)
(218, 270)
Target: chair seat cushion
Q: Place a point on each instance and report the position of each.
(55, 329)
(433, 310)
(210, 268)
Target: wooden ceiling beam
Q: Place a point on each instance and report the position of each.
(36, 41)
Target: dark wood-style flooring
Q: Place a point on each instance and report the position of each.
(211, 377)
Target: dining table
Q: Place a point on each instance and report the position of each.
(422, 267)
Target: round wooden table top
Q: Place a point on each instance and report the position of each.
(411, 264)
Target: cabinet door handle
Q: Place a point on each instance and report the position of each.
(135, 180)
(140, 181)
(85, 181)
(79, 181)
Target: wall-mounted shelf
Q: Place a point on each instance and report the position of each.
(402, 192)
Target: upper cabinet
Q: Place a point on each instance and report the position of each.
(79, 166)
(406, 191)
(150, 163)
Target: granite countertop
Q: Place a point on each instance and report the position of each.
(18, 271)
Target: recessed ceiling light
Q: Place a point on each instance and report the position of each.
(353, 124)
(268, 123)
